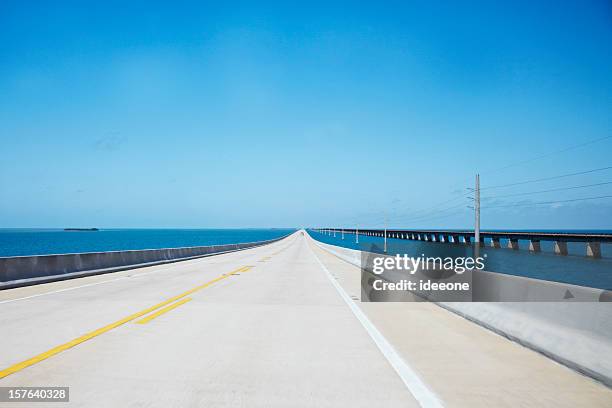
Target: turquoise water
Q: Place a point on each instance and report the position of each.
(575, 268)
(21, 242)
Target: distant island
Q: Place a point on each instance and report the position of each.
(81, 229)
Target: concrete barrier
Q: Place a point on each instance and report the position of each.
(29, 270)
(576, 334)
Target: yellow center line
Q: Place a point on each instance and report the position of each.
(162, 311)
(58, 349)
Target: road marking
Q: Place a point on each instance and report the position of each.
(159, 268)
(63, 290)
(63, 347)
(417, 388)
(162, 311)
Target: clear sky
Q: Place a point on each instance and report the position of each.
(195, 115)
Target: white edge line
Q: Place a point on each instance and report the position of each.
(425, 397)
(164, 267)
(61, 290)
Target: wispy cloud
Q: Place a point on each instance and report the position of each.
(110, 142)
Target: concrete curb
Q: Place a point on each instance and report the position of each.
(576, 335)
(34, 270)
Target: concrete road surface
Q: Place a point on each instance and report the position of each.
(273, 326)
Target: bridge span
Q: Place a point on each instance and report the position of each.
(278, 325)
(560, 239)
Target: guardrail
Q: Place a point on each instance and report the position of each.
(29, 270)
(551, 328)
(560, 239)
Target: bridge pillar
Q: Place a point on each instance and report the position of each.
(434, 237)
(442, 238)
(412, 235)
(495, 242)
(560, 248)
(593, 249)
(418, 237)
(467, 240)
(427, 237)
(534, 246)
(513, 243)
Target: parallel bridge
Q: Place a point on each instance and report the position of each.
(466, 237)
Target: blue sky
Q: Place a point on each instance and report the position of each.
(200, 115)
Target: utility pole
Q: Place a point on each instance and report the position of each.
(385, 249)
(477, 212)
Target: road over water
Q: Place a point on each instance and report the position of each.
(274, 326)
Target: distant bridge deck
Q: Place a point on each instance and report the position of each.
(593, 241)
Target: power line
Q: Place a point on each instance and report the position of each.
(548, 191)
(433, 217)
(432, 208)
(425, 216)
(548, 178)
(549, 154)
(549, 202)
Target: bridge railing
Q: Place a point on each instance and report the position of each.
(559, 239)
(29, 270)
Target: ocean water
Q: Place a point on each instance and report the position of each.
(574, 268)
(22, 242)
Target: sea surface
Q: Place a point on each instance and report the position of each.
(574, 268)
(22, 242)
